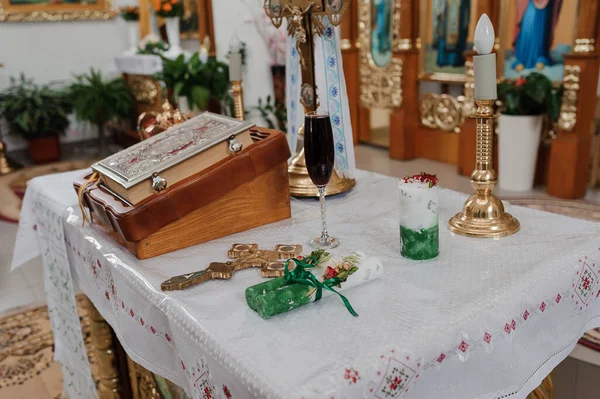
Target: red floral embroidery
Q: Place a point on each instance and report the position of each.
(106, 295)
(167, 337)
(526, 315)
(182, 365)
(141, 321)
(112, 286)
(226, 392)
(395, 383)
(131, 313)
(122, 304)
(558, 298)
(463, 346)
(153, 330)
(207, 393)
(352, 376)
(543, 306)
(35, 227)
(487, 337)
(513, 324)
(441, 358)
(507, 328)
(94, 270)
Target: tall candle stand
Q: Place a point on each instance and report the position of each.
(304, 22)
(237, 92)
(483, 214)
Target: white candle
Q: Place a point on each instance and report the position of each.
(484, 64)
(235, 59)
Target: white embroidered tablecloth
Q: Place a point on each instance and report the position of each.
(486, 319)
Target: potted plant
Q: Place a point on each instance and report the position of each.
(131, 15)
(193, 84)
(171, 11)
(37, 113)
(152, 45)
(527, 105)
(99, 101)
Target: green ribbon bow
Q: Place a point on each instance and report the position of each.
(302, 276)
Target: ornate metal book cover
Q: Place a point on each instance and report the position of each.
(138, 162)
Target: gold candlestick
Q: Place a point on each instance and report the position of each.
(483, 214)
(238, 99)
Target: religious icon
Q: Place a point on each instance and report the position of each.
(381, 31)
(307, 95)
(334, 5)
(448, 34)
(275, 7)
(538, 34)
(451, 32)
(534, 33)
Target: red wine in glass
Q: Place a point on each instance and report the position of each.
(318, 148)
(319, 155)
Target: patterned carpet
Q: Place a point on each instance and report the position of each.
(13, 185)
(26, 351)
(26, 346)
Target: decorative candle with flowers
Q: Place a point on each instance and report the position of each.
(419, 227)
(171, 11)
(131, 15)
(308, 279)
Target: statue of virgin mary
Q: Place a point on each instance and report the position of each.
(535, 32)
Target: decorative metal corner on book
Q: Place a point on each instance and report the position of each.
(568, 109)
(380, 72)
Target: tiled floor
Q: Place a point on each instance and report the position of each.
(576, 378)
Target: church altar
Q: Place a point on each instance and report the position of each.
(486, 318)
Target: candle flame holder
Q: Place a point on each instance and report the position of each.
(483, 214)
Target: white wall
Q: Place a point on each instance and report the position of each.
(229, 17)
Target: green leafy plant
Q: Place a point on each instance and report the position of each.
(33, 111)
(99, 101)
(275, 115)
(198, 81)
(530, 95)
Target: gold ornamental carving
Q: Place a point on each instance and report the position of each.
(109, 382)
(568, 108)
(445, 112)
(103, 10)
(584, 45)
(380, 87)
(144, 90)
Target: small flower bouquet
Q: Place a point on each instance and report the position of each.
(308, 279)
(168, 8)
(130, 13)
(152, 44)
(419, 230)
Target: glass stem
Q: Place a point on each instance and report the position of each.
(324, 234)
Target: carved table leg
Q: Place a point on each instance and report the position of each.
(544, 391)
(109, 384)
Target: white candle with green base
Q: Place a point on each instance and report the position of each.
(419, 226)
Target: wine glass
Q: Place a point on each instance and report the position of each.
(319, 156)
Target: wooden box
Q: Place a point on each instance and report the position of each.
(245, 190)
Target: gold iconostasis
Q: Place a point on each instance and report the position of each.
(410, 76)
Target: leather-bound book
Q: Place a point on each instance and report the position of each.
(140, 171)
